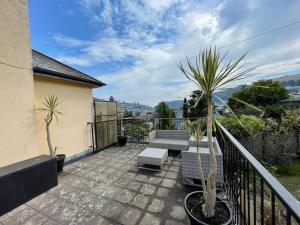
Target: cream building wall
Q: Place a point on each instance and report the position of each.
(17, 115)
(71, 134)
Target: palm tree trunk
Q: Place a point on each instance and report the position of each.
(49, 140)
(201, 170)
(209, 206)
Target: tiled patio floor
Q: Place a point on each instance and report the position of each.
(106, 189)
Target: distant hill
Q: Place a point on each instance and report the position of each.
(225, 94)
(175, 104)
(288, 78)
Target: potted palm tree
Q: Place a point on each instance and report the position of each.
(210, 74)
(51, 106)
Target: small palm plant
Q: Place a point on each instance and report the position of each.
(51, 106)
(210, 74)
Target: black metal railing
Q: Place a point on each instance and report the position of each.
(254, 193)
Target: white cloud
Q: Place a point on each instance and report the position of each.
(74, 60)
(69, 41)
(153, 34)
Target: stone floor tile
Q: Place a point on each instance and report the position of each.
(169, 183)
(174, 168)
(130, 216)
(150, 219)
(140, 201)
(171, 175)
(141, 177)
(70, 194)
(41, 201)
(156, 205)
(148, 189)
(134, 185)
(114, 210)
(125, 196)
(98, 189)
(39, 219)
(154, 180)
(178, 212)
(100, 220)
(162, 192)
(122, 182)
(161, 174)
(61, 211)
(130, 175)
(92, 202)
(18, 215)
(111, 192)
(83, 217)
(176, 163)
(173, 222)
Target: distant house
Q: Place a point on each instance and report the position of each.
(26, 77)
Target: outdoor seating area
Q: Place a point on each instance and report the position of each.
(107, 188)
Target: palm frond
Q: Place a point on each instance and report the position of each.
(234, 115)
(247, 104)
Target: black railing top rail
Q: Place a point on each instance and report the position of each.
(283, 194)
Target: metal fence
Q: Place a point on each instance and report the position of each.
(273, 148)
(255, 195)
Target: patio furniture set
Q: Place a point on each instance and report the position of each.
(160, 141)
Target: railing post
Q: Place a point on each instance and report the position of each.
(297, 134)
(263, 145)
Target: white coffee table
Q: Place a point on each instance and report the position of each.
(152, 157)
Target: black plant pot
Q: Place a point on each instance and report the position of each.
(195, 220)
(122, 140)
(60, 158)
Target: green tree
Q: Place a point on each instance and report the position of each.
(164, 113)
(260, 93)
(127, 114)
(199, 109)
(210, 74)
(185, 108)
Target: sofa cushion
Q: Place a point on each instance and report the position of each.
(173, 134)
(173, 144)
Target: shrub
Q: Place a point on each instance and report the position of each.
(251, 125)
(291, 120)
(289, 169)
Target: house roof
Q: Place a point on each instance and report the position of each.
(45, 65)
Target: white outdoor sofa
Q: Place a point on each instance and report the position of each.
(190, 167)
(169, 139)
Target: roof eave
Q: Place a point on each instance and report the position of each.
(51, 73)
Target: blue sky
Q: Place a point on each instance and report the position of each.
(134, 46)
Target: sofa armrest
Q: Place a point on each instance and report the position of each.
(152, 135)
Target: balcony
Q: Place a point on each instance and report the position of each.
(107, 188)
